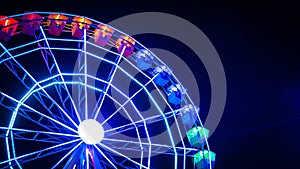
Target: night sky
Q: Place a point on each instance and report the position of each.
(258, 44)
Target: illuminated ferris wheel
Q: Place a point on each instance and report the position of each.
(63, 103)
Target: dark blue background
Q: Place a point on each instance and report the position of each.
(258, 44)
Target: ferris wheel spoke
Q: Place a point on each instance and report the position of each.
(42, 121)
(126, 112)
(136, 128)
(56, 104)
(66, 155)
(33, 135)
(109, 161)
(85, 75)
(38, 153)
(128, 115)
(128, 99)
(19, 131)
(126, 145)
(34, 111)
(114, 100)
(60, 74)
(110, 97)
(123, 128)
(122, 155)
(49, 139)
(147, 133)
(45, 154)
(82, 70)
(149, 120)
(87, 160)
(60, 114)
(51, 108)
(111, 77)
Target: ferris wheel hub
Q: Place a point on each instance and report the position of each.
(91, 131)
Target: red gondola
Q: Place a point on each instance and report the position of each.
(32, 23)
(8, 27)
(79, 24)
(56, 23)
(128, 43)
(103, 34)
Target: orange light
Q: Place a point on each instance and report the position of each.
(106, 28)
(118, 43)
(128, 39)
(104, 31)
(6, 22)
(81, 21)
(59, 18)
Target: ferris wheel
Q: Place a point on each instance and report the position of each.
(63, 103)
